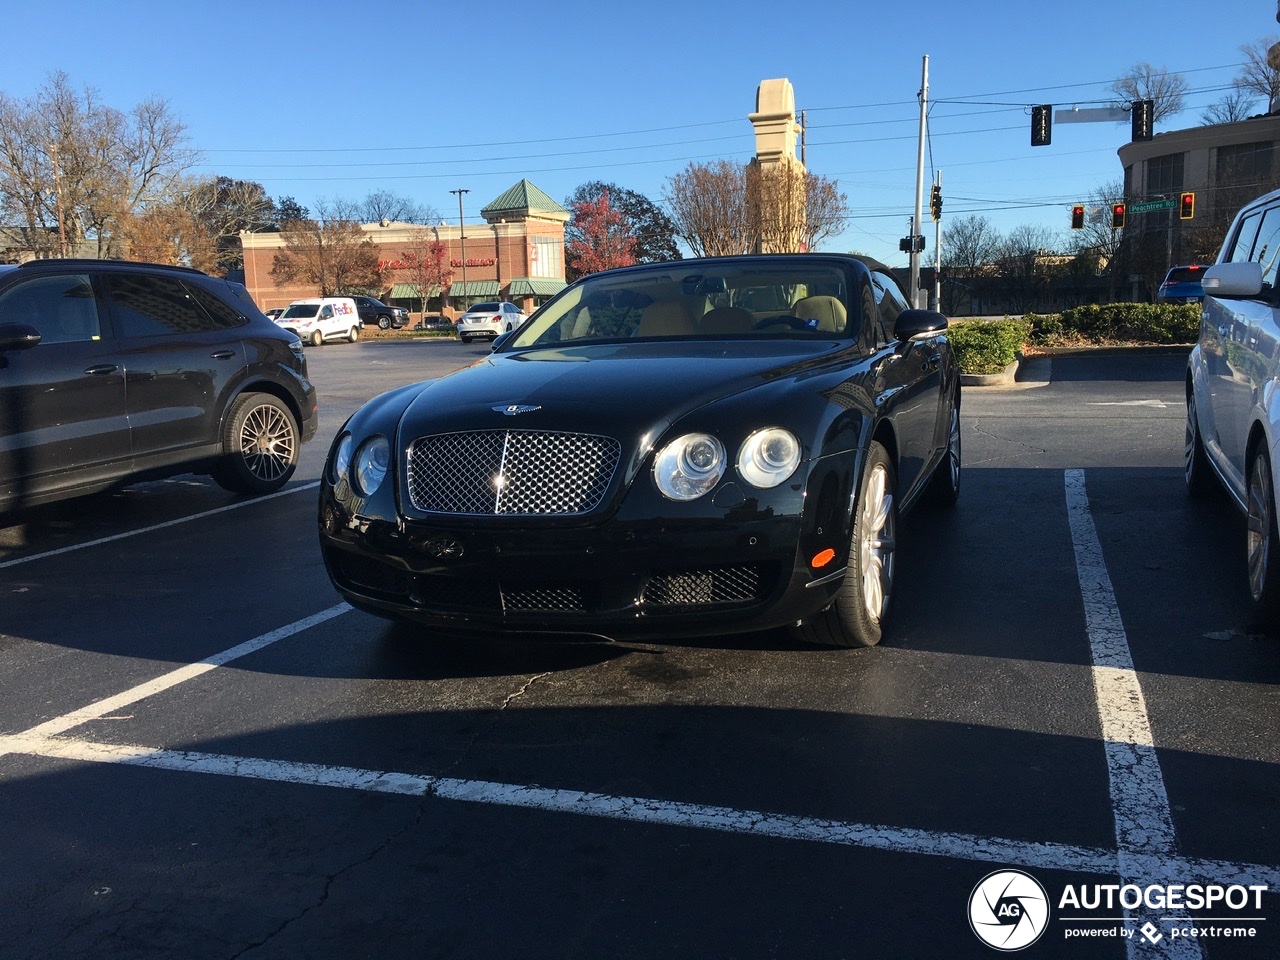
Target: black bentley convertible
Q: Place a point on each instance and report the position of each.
(661, 451)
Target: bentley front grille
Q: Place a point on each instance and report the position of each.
(511, 472)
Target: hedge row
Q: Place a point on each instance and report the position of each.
(988, 346)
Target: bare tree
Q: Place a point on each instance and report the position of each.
(69, 161)
(383, 205)
(826, 210)
(709, 207)
(969, 245)
(1026, 264)
(331, 252)
(1232, 107)
(1258, 74)
(1145, 82)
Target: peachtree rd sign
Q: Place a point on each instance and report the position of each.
(1149, 206)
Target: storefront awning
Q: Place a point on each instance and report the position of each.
(474, 288)
(411, 291)
(535, 287)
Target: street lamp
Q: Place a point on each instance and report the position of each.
(462, 236)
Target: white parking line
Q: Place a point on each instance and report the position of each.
(160, 526)
(1139, 801)
(1146, 839)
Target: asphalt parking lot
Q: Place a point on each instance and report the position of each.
(204, 753)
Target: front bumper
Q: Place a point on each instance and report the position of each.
(640, 578)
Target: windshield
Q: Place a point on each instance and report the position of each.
(300, 311)
(722, 300)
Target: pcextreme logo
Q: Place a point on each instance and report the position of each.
(1008, 910)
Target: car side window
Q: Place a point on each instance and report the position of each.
(886, 309)
(1242, 247)
(153, 306)
(62, 308)
(223, 315)
(1266, 249)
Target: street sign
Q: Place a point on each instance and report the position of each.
(1148, 206)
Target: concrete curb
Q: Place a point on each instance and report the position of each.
(1004, 378)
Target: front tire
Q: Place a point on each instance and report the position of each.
(944, 485)
(316, 338)
(857, 617)
(259, 445)
(1196, 471)
(384, 323)
(1262, 540)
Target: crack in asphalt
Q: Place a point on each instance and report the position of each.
(429, 793)
(974, 425)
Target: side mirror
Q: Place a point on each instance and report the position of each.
(502, 340)
(18, 336)
(914, 323)
(1232, 280)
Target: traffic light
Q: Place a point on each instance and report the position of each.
(1187, 207)
(1117, 215)
(935, 203)
(1041, 125)
(1143, 117)
(1077, 217)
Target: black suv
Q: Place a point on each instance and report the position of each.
(113, 371)
(375, 311)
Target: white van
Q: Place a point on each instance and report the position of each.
(322, 318)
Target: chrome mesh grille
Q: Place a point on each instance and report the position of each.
(692, 587)
(521, 472)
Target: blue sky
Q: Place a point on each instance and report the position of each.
(325, 100)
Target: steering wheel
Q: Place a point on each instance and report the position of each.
(785, 320)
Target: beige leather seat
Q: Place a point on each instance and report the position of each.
(828, 311)
(666, 318)
(727, 320)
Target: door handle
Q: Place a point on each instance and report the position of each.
(222, 354)
(102, 369)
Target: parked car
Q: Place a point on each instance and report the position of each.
(649, 458)
(273, 312)
(1182, 285)
(434, 321)
(1233, 421)
(372, 310)
(112, 371)
(320, 319)
(489, 320)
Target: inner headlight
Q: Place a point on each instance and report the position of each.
(689, 466)
(342, 458)
(768, 457)
(371, 463)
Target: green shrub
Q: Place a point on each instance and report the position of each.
(987, 346)
(1123, 323)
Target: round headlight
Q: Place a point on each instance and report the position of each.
(371, 463)
(341, 458)
(768, 457)
(689, 466)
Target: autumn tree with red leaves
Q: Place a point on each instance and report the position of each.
(602, 239)
(425, 262)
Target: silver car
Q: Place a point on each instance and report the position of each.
(1233, 407)
(489, 320)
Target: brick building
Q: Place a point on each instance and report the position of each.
(517, 254)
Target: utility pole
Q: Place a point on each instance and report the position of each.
(462, 236)
(916, 244)
(57, 186)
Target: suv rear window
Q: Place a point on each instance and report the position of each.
(1184, 274)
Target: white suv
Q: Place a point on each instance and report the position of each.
(490, 320)
(1233, 419)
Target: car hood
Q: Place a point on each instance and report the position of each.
(624, 389)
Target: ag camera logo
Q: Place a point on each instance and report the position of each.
(1008, 910)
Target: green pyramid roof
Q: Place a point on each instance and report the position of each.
(523, 198)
